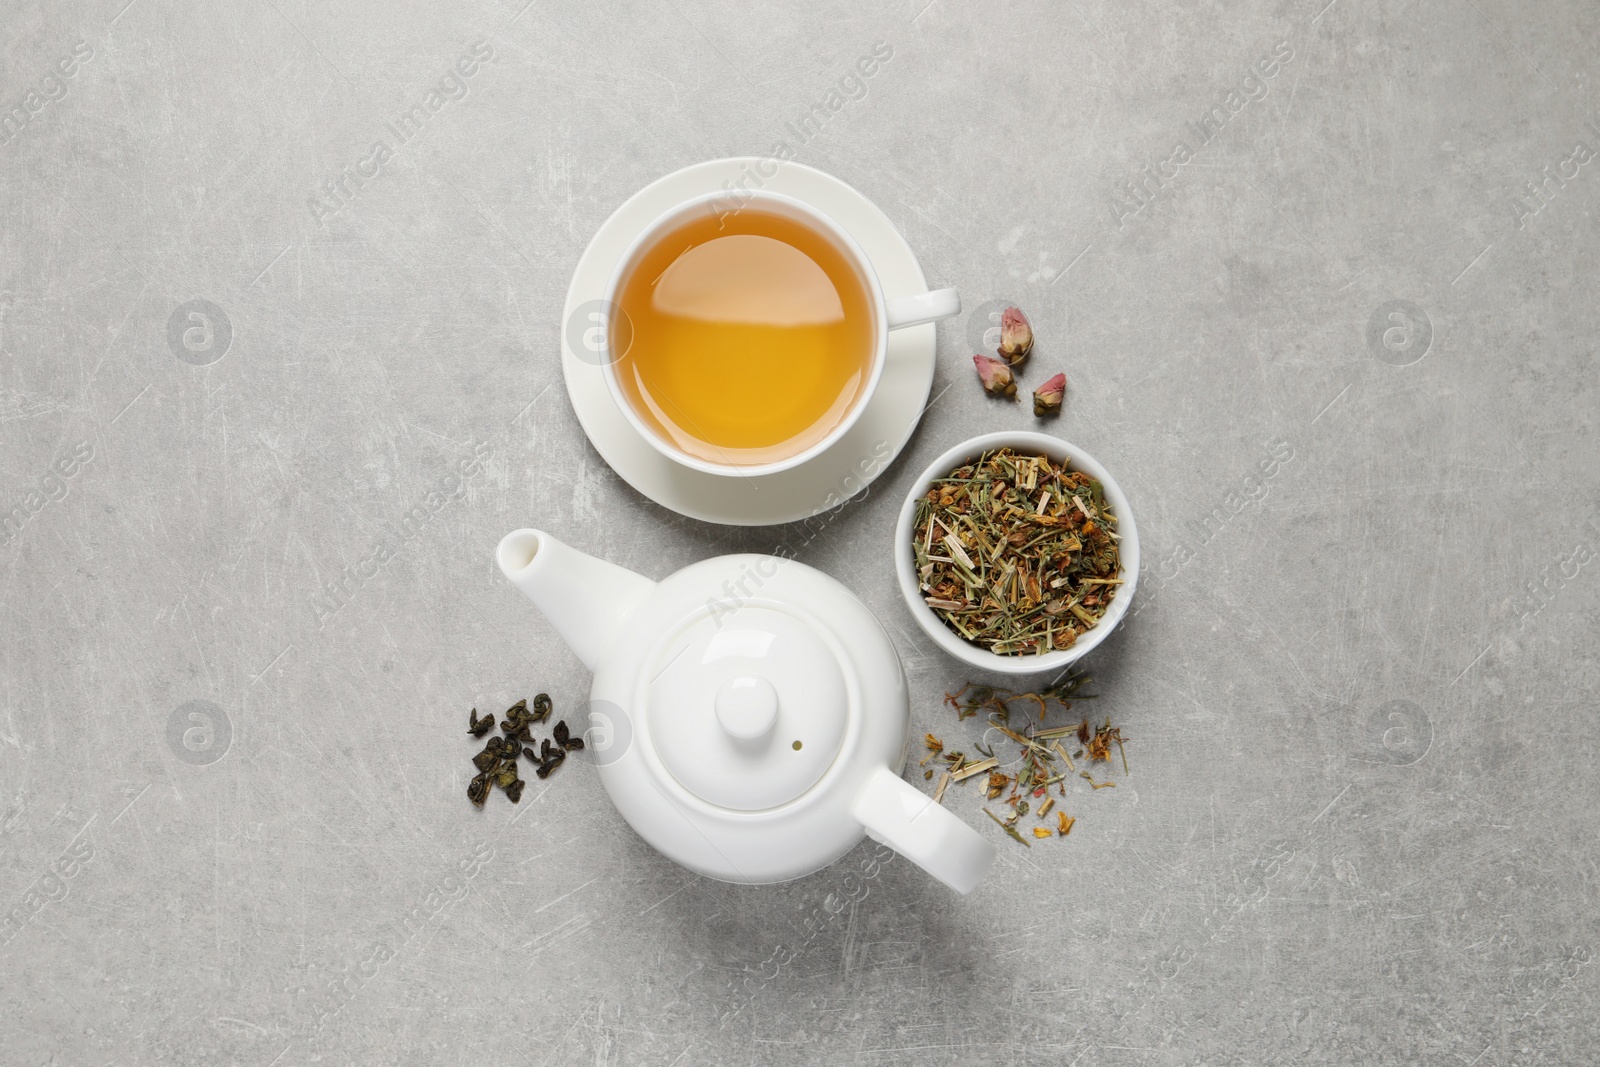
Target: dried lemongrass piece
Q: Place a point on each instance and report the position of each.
(971, 769)
(1011, 831)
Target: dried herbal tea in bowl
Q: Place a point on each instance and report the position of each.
(1016, 553)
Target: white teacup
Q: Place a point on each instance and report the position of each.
(887, 315)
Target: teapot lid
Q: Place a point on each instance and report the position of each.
(747, 706)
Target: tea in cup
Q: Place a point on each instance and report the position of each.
(746, 342)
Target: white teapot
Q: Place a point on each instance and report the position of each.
(749, 716)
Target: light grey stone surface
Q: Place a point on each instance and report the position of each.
(1360, 821)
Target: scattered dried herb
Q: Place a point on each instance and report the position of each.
(971, 699)
(963, 773)
(1011, 831)
(553, 761)
(564, 737)
(1042, 761)
(497, 763)
(517, 718)
(1099, 746)
(1017, 554)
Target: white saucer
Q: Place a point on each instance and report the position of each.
(822, 483)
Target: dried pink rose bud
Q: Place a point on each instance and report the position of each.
(1047, 398)
(996, 376)
(1016, 336)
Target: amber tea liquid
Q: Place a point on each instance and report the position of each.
(752, 337)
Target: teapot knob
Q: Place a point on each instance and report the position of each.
(747, 707)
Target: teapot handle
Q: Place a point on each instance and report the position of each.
(901, 816)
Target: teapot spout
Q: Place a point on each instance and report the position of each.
(586, 599)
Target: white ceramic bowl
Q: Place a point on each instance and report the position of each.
(1026, 443)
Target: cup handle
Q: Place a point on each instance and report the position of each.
(923, 308)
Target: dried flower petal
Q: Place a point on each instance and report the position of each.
(1047, 398)
(1016, 336)
(996, 376)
